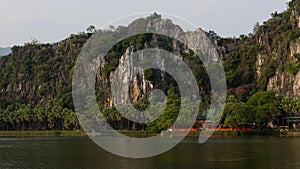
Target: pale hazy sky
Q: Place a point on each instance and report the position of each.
(54, 20)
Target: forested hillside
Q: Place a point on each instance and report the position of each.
(262, 71)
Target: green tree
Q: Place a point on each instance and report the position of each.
(238, 113)
(265, 105)
(256, 27)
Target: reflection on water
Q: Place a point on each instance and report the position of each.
(82, 153)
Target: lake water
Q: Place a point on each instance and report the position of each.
(82, 153)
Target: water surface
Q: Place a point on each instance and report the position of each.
(82, 153)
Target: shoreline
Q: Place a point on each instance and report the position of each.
(142, 134)
(42, 133)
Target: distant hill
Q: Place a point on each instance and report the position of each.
(5, 51)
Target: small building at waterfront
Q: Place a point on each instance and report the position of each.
(293, 122)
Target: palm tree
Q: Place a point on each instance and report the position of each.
(3, 119)
(40, 117)
(70, 119)
(286, 105)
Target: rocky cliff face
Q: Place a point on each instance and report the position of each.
(133, 87)
(285, 79)
(269, 58)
